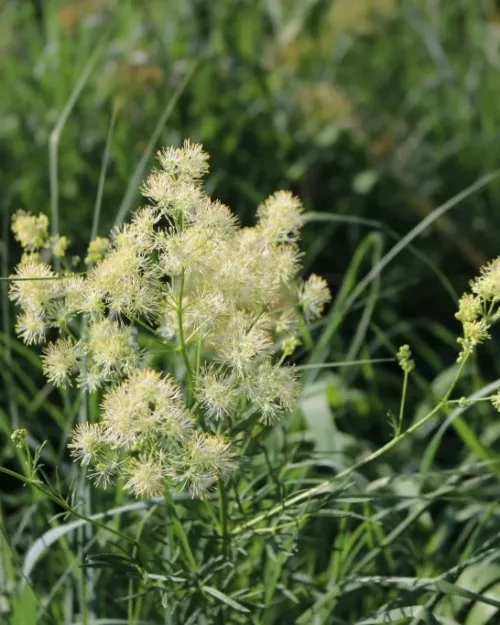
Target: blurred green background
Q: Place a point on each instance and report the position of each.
(373, 109)
(375, 112)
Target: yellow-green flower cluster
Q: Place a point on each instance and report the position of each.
(37, 290)
(405, 360)
(30, 230)
(97, 249)
(479, 309)
(228, 298)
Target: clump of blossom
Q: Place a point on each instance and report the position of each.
(227, 300)
(313, 296)
(36, 289)
(60, 361)
(477, 311)
(110, 352)
(59, 246)
(217, 392)
(487, 285)
(96, 250)
(479, 308)
(30, 230)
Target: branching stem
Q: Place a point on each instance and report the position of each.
(325, 486)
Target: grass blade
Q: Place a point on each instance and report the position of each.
(217, 594)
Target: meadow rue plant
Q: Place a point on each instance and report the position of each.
(227, 299)
(183, 283)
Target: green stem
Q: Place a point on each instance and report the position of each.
(48, 494)
(472, 401)
(180, 533)
(324, 487)
(83, 495)
(134, 614)
(184, 353)
(306, 334)
(59, 277)
(198, 358)
(223, 517)
(402, 404)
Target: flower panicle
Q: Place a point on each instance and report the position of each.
(226, 299)
(479, 308)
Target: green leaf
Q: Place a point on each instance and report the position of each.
(225, 599)
(47, 539)
(321, 424)
(397, 615)
(111, 621)
(25, 607)
(451, 589)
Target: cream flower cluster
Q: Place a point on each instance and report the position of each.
(226, 299)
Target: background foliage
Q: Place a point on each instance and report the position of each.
(376, 114)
